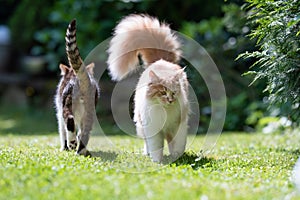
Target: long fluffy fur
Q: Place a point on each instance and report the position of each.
(140, 35)
(161, 96)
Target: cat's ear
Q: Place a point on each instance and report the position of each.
(90, 68)
(63, 69)
(153, 76)
(179, 73)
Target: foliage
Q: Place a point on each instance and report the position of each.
(242, 166)
(6, 10)
(224, 39)
(277, 32)
(45, 25)
(221, 30)
(28, 17)
(94, 26)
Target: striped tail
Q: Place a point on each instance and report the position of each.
(74, 58)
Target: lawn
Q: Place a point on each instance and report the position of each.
(241, 166)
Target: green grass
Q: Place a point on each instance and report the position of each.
(241, 166)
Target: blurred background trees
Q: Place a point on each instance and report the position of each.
(221, 27)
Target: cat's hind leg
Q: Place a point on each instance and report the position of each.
(83, 134)
(62, 133)
(69, 119)
(83, 139)
(71, 134)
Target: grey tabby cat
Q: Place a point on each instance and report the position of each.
(76, 98)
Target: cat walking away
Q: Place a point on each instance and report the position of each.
(76, 97)
(161, 97)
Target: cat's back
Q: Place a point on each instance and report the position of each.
(66, 81)
(164, 69)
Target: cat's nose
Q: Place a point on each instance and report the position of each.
(170, 100)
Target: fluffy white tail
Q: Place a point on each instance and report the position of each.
(140, 35)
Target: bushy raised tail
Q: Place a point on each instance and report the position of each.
(74, 58)
(140, 35)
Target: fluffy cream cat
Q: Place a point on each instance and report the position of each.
(161, 98)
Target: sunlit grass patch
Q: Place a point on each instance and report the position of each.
(241, 166)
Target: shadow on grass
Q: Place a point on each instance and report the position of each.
(295, 152)
(188, 158)
(105, 156)
(193, 159)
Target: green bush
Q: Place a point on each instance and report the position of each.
(277, 34)
(95, 24)
(28, 17)
(97, 19)
(225, 38)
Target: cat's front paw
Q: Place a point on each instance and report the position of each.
(175, 155)
(156, 156)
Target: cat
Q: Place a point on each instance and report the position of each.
(76, 97)
(161, 106)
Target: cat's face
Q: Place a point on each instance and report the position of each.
(165, 91)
